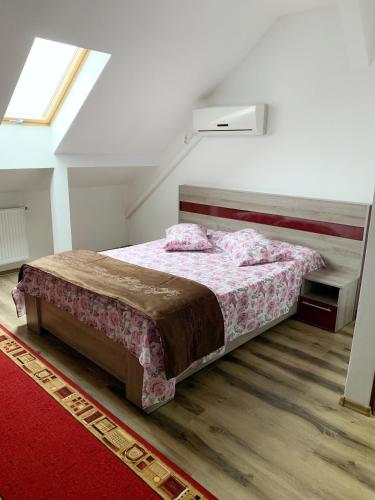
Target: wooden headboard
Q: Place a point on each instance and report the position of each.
(336, 229)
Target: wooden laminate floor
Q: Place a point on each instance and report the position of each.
(261, 423)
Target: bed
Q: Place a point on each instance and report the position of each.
(252, 299)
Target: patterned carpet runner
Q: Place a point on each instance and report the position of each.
(56, 442)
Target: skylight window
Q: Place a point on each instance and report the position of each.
(48, 73)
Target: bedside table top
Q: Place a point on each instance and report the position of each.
(332, 277)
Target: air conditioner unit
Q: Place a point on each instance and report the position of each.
(230, 120)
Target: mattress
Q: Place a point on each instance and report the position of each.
(249, 298)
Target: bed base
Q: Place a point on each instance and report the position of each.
(99, 348)
(106, 353)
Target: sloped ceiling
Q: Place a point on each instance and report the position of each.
(166, 55)
(24, 179)
(39, 179)
(106, 176)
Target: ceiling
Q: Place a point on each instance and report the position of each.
(25, 179)
(166, 56)
(106, 176)
(39, 179)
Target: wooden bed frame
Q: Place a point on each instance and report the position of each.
(336, 229)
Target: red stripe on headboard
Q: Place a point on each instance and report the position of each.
(310, 226)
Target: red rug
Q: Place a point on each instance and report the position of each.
(56, 442)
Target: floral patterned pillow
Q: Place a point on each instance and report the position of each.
(214, 236)
(186, 237)
(246, 247)
(267, 251)
(280, 251)
(256, 249)
(239, 243)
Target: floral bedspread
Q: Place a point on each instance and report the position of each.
(249, 297)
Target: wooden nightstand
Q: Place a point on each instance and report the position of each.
(328, 299)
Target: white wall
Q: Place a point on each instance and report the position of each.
(38, 220)
(98, 217)
(60, 209)
(321, 124)
(25, 146)
(362, 357)
(97, 212)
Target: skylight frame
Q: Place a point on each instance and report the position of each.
(60, 94)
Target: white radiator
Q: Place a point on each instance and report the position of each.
(13, 239)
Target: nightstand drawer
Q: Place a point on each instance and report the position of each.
(317, 313)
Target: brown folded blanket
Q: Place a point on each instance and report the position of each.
(187, 314)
